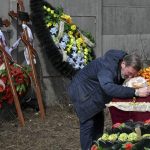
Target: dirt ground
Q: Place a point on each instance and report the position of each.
(59, 131)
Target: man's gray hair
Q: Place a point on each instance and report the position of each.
(133, 60)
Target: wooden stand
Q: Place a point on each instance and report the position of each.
(13, 90)
(37, 89)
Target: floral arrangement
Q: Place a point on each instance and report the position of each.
(145, 72)
(20, 79)
(75, 47)
(125, 136)
(68, 48)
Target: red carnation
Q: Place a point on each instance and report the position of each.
(128, 146)
(19, 78)
(1, 89)
(116, 125)
(4, 79)
(94, 147)
(147, 121)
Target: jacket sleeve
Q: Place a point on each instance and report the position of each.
(106, 80)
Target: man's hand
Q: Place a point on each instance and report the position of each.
(142, 92)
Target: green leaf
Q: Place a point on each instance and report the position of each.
(23, 88)
(17, 88)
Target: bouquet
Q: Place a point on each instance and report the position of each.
(20, 79)
(125, 136)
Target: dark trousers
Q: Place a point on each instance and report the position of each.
(91, 130)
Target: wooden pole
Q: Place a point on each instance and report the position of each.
(31, 50)
(13, 90)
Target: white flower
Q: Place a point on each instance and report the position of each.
(82, 66)
(74, 55)
(74, 48)
(82, 60)
(53, 30)
(70, 60)
(62, 45)
(78, 59)
(77, 66)
(65, 38)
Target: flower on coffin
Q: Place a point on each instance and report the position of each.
(145, 72)
(126, 138)
(147, 122)
(127, 146)
(118, 125)
(123, 137)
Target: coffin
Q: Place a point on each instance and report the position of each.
(136, 109)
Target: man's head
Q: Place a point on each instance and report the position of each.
(130, 66)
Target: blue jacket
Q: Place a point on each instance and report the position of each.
(97, 83)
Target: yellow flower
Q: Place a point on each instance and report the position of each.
(84, 45)
(68, 50)
(85, 53)
(52, 11)
(78, 45)
(76, 34)
(44, 7)
(85, 50)
(85, 61)
(71, 40)
(54, 23)
(55, 15)
(79, 52)
(48, 9)
(49, 24)
(70, 46)
(80, 40)
(85, 57)
(73, 27)
(70, 32)
(67, 18)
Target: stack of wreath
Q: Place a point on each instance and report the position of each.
(125, 136)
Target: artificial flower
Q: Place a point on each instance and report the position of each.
(53, 30)
(128, 146)
(73, 27)
(67, 37)
(20, 79)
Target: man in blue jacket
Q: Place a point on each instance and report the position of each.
(96, 84)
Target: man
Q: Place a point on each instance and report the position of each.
(96, 84)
